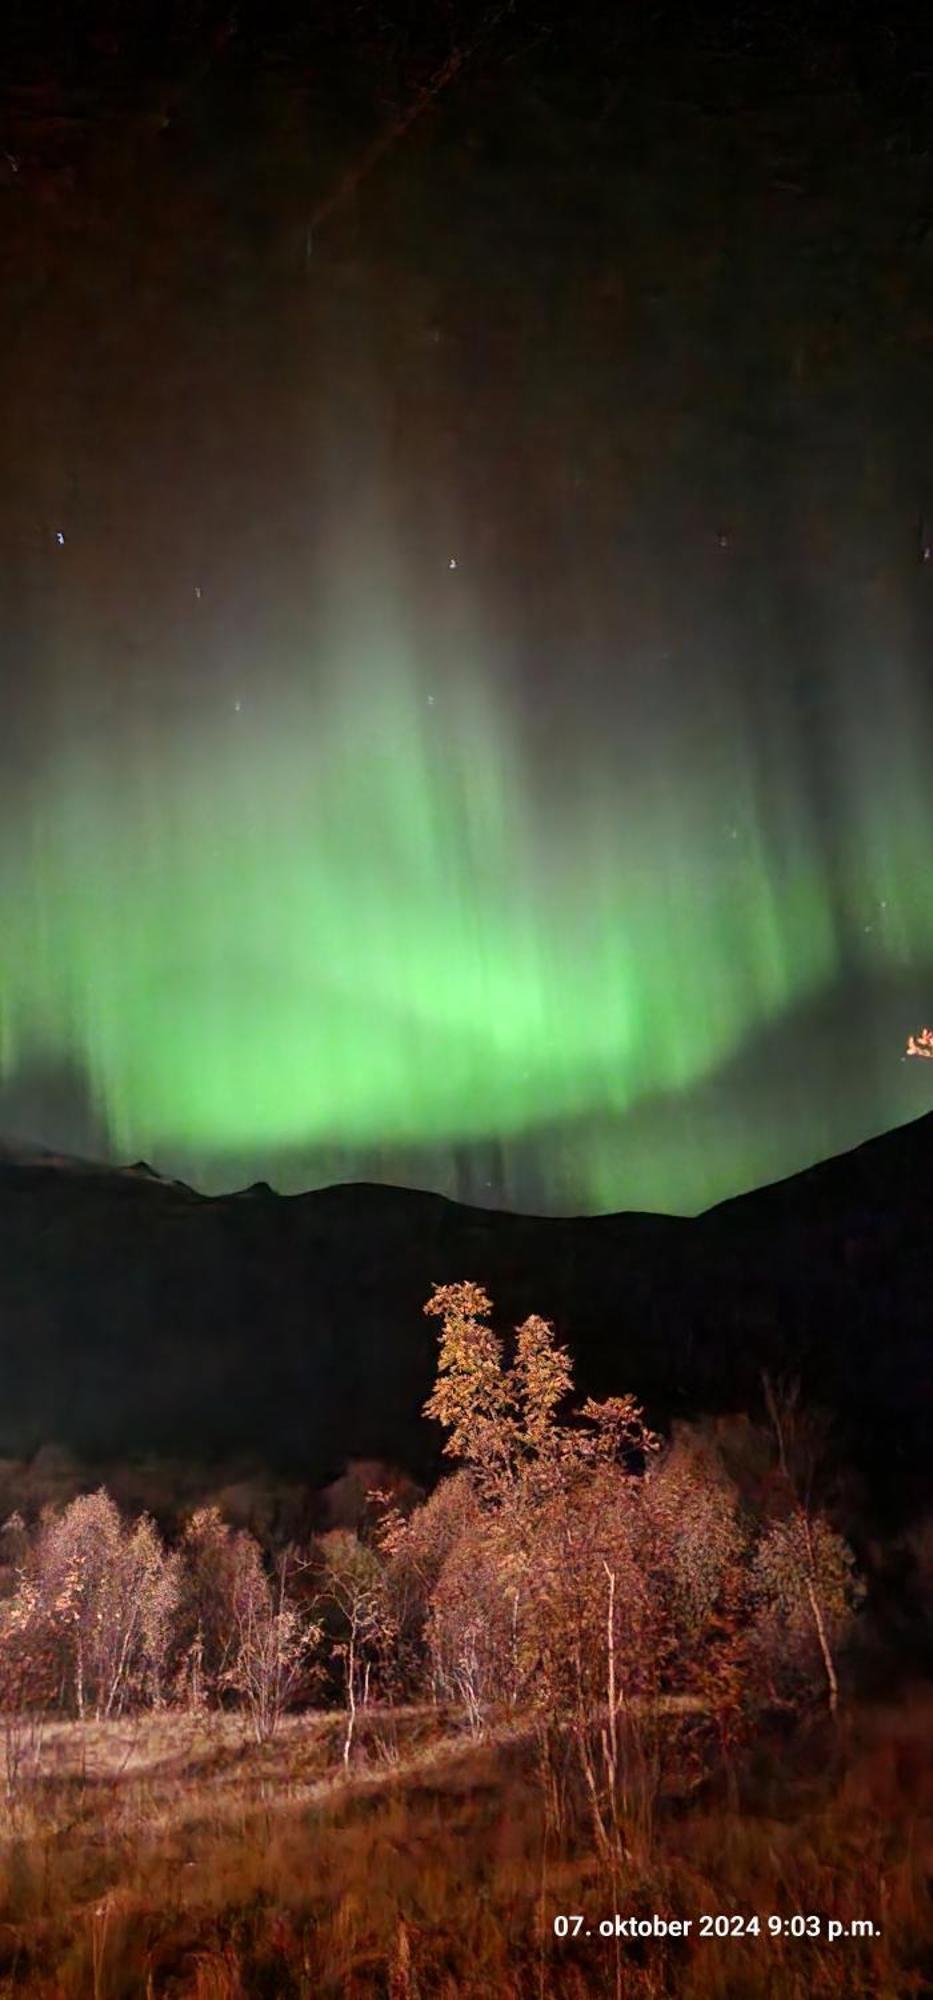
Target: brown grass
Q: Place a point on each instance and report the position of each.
(175, 1857)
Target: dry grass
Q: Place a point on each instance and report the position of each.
(174, 1857)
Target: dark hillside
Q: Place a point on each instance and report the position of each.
(139, 1316)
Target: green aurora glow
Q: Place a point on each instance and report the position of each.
(363, 919)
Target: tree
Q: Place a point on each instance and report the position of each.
(415, 1549)
(540, 1601)
(502, 1421)
(353, 1601)
(690, 1539)
(271, 1658)
(806, 1591)
(473, 1627)
(222, 1591)
(473, 1397)
(575, 1572)
(92, 1610)
(804, 1579)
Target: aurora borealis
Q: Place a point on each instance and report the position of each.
(360, 921)
(545, 846)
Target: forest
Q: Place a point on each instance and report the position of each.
(655, 1668)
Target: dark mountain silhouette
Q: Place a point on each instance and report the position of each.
(137, 1315)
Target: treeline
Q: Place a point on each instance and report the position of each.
(573, 1572)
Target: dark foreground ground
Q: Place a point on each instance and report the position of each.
(174, 1857)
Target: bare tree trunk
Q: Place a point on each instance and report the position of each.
(820, 1623)
(809, 1583)
(775, 1415)
(612, 1741)
(351, 1695)
(120, 1668)
(79, 1675)
(611, 1754)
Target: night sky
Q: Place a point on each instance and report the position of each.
(466, 591)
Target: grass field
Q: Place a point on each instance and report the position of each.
(174, 1856)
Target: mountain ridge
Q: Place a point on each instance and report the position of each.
(139, 1315)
